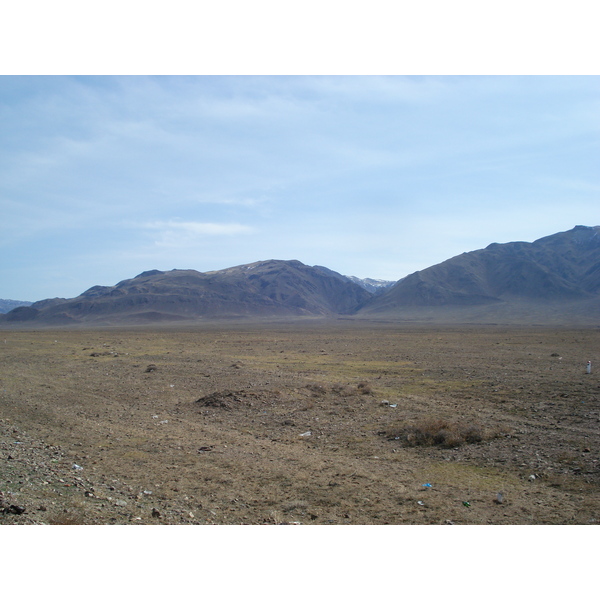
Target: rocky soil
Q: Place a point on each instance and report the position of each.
(299, 423)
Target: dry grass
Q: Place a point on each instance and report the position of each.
(339, 389)
(438, 432)
(66, 518)
(134, 430)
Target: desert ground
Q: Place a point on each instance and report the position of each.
(313, 422)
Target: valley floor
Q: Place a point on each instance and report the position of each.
(305, 423)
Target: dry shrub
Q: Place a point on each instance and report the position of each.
(364, 388)
(438, 432)
(66, 519)
(308, 405)
(339, 389)
(316, 389)
(295, 505)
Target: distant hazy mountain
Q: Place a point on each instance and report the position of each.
(375, 286)
(8, 305)
(267, 288)
(564, 267)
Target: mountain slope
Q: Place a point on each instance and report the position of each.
(564, 267)
(266, 288)
(8, 305)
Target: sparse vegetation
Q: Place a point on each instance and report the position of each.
(339, 389)
(438, 432)
(291, 434)
(364, 388)
(67, 518)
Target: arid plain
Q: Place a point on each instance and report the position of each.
(312, 421)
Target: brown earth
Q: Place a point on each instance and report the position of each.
(311, 422)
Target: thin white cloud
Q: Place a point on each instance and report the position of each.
(226, 199)
(176, 234)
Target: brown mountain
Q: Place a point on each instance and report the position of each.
(260, 289)
(554, 279)
(561, 270)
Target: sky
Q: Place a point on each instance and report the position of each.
(103, 177)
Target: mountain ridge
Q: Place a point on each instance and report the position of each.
(259, 289)
(555, 275)
(562, 267)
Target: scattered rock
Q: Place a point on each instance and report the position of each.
(150, 368)
(32, 463)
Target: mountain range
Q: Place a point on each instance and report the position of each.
(556, 275)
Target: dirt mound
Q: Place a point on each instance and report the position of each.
(224, 399)
(228, 399)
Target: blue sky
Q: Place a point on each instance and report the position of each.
(102, 177)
